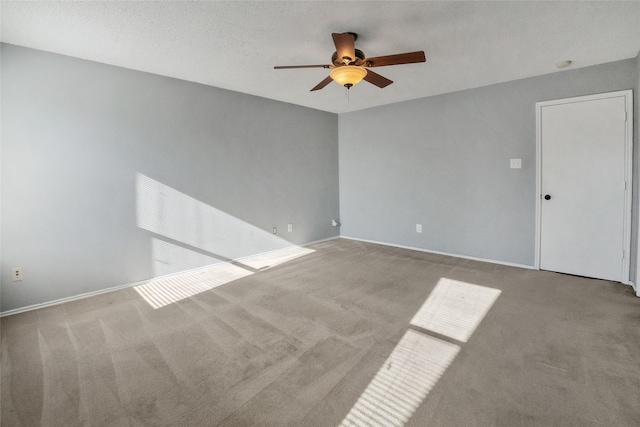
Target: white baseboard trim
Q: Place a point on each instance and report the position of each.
(492, 261)
(635, 288)
(69, 299)
(142, 282)
(240, 259)
(321, 241)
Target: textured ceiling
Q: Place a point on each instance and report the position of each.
(234, 45)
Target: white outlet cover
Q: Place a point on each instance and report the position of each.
(418, 228)
(516, 163)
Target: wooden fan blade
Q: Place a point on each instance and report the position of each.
(345, 45)
(322, 83)
(401, 58)
(284, 67)
(377, 79)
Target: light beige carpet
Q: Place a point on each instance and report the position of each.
(352, 334)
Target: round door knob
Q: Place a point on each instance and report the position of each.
(547, 197)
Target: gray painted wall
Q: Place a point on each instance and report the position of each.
(108, 173)
(98, 162)
(443, 161)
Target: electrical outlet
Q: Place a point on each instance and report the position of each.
(275, 230)
(515, 163)
(16, 274)
(289, 228)
(418, 228)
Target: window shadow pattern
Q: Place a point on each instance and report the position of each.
(453, 310)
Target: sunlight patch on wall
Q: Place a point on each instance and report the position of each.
(162, 292)
(177, 217)
(455, 309)
(170, 259)
(402, 383)
(273, 258)
(170, 213)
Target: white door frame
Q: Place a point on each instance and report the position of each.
(628, 95)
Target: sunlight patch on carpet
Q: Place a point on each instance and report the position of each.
(403, 381)
(455, 309)
(162, 292)
(273, 258)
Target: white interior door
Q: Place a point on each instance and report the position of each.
(584, 183)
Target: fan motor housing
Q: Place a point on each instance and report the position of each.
(359, 60)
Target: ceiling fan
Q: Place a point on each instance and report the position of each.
(350, 65)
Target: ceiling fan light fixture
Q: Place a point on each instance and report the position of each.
(348, 75)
